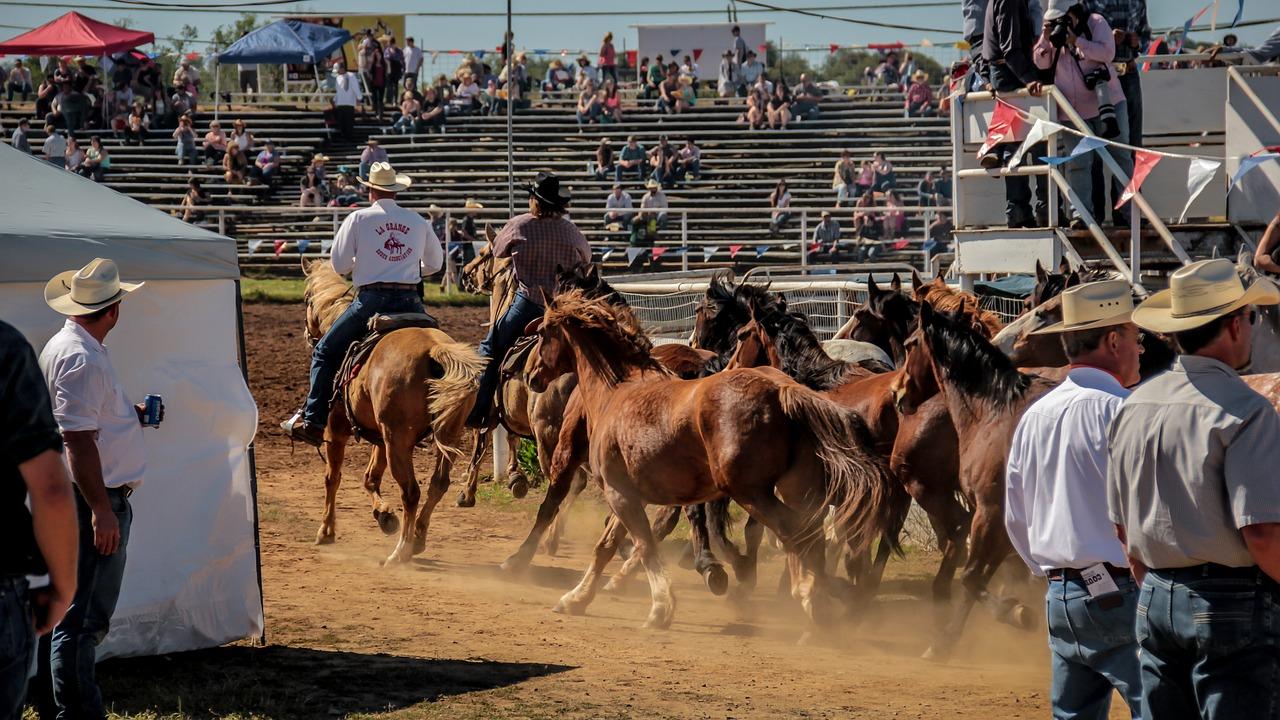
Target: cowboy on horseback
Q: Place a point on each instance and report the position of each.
(538, 242)
(388, 250)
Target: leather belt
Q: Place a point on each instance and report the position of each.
(125, 490)
(1118, 573)
(411, 287)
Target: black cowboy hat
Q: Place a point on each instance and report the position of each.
(546, 187)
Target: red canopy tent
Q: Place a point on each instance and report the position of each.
(75, 34)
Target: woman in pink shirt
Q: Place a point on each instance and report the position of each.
(215, 143)
(608, 59)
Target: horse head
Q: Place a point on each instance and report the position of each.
(917, 379)
(756, 344)
(587, 278)
(477, 276)
(719, 315)
(886, 319)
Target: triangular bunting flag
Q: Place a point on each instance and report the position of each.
(761, 250)
(254, 245)
(708, 252)
(608, 253)
(325, 245)
(926, 42)
(1004, 127)
(900, 244)
(1247, 165)
(733, 251)
(788, 246)
(679, 251)
(303, 245)
(1198, 177)
(834, 47)
(1087, 144)
(1239, 13)
(479, 54)
(697, 54)
(1143, 162)
(659, 252)
(454, 52)
(674, 53)
(434, 54)
(279, 247)
(632, 254)
(454, 246)
(1041, 130)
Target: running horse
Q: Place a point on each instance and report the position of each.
(776, 448)
(417, 383)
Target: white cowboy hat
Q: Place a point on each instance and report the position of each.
(1200, 293)
(1093, 305)
(384, 177)
(87, 290)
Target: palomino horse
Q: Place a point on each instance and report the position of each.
(775, 447)
(985, 395)
(417, 383)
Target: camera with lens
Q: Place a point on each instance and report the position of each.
(1060, 29)
(1097, 81)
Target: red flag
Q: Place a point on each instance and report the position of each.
(1142, 165)
(1005, 126)
(815, 247)
(697, 53)
(631, 57)
(657, 252)
(834, 48)
(763, 48)
(279, 247)
(733, 250)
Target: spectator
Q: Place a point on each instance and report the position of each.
(1201, 526)
(74, 155)
(780, 203)
(752, 71)
(185, 141)
(779, 107)
(689, 67)
(653, 80)
(345, 192)
(431, 114)
(632, 158)
(394, 60)
(826, 234)
(412, 60)
(248, 78)
(310, 195)
(318, 171)
(604, 165)
(908, 67)
(137, 125)
(806, 97)
(19, 81)
(757, 112)
(927, 190)
(267, 165)
(96, 160)
(689, 161)
(886, 71)
(63, 73)
(409, 109)
(194, 199)
(435, 214)
(1132, 34)
(652, 217)
(740, 51)
(234, 166)
(515, 86)
(1266, 52)
(618, 209)
(558, 77)
(466, 97)
(19, 138)
(729, 76)
(44, 96)
(240, 136)
(179, 104)
(346, 95)
(608, 62)
(895, 222)
(39, 541)
(70, 108)
(1008, 37)
(215, 143)
(583, 73)
(107, 457)
(662, 158)
(611, 104)
(844, 178)
(372, 153)
(688, 96)
(377, 82)
(867, 228)
(55, 147)
(588, 109)
(669, 92)
(939, 231)
(885, 177)
(919, 96)
(467, 234)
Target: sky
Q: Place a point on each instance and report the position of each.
(575, 31)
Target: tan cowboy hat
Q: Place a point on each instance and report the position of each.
(1093, 305)
(1200, 293)
(470, 203)
(384, 177)
(919, 75)
(651, 184)
(320, 158)
(87, 290)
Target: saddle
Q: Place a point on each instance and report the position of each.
(512, 365)
(379, 327)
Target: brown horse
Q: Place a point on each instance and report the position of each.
(776, 448)
(416, 384)
(985, 395)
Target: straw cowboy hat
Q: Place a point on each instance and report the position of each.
(472, 204)
(651, 184)
(87, 290)
(920, 76)
(384, 177)
(1093, 305)
(1200, 293)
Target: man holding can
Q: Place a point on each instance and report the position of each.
(102, 433)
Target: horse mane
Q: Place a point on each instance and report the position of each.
(731, 312)
(972, 364)
(617, 342)
(587, 278)
(327, 296)
(947, 299)
(721, 287)
(803, 357)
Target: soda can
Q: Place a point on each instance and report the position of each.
(151, 411)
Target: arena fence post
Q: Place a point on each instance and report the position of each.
(501, 454)
(448, 254)
(222, 221)
(684, 240)
(804, 233)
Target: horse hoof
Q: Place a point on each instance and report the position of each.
(937, 653)
(419, 546)
(550, 548)
(805, 639)
(746, 574)
(614, 585)
(659, 619)
(464, 501)
(717, 580)
(519, 487)
(387, 522)
(323, 539)
(1024, 618)
(565, 607)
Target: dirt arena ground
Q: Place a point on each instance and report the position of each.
(451, 636)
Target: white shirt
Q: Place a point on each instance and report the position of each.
(55, 147)
(412, 59)
(1056, 478)
(346, 89)
(619, 202)
(386, 243)
(654, 201)
(87, 395)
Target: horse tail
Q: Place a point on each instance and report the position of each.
(453, 393)
(864, 491)
(718, 528)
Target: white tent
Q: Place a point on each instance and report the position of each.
(192, 579)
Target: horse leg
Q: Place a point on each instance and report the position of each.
(950, 524)
(664, 522)
(576, 600)
(382, 512)
(517, 483)
(805, 553)
(867, 582)
(400, 455)
(551, 545)
(568, 457)
(335, 449)
(630, 512)
(744, 568)
(704, 561)
(467, 496)
(435, 491)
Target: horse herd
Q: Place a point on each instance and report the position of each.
(822, 452)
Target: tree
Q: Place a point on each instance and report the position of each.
(787, 67)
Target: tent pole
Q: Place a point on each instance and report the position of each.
(217, 87)
(510, 50)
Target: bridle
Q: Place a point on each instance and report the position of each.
(482, 266)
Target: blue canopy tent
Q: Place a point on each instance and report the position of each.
(285, 41)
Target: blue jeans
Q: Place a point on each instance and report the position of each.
(1093, 650)
(619, 171)
(495, 345)
(186, 153)
(1080, 170)
(1209, 637)
(74, 645)
(17, 644)
(690, 167)
(352, 325)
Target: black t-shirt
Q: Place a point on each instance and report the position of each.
(27, 428)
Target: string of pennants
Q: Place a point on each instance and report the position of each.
(1175, 47)
(1008, 123)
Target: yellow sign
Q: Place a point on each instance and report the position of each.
(382, 26)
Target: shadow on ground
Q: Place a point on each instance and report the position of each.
(290, 682)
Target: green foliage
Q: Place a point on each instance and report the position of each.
(847, 66)
(788, 66)
(527, 457)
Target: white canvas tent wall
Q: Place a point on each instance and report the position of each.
(192, 579)
(673, 42)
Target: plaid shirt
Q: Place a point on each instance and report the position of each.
(1127, 15)
(537, 246)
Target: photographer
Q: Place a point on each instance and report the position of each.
(1007, 37)
(1077, 46)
